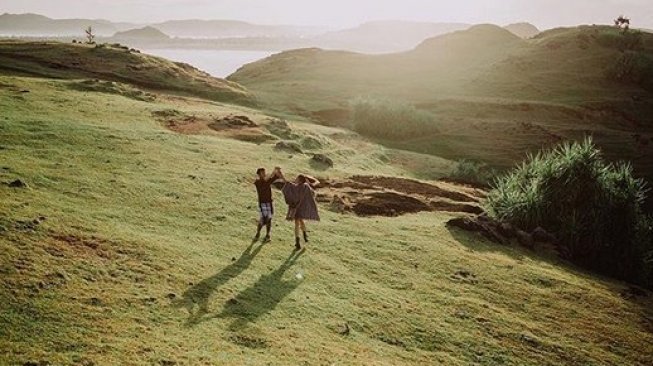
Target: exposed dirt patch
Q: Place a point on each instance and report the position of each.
(448, 206)
(391, 196)
(66, 243)
(388, 204)
(232, 122)
(241, 128)
(413, 187)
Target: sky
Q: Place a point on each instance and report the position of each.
(345, 13)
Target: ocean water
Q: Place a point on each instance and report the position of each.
(219, 63)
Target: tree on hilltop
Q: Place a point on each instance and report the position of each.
(622, 23)
(90, 36)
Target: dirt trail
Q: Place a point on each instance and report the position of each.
(392, 196)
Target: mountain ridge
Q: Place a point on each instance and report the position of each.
(530, 93)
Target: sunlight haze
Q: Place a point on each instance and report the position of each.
(326, 182)
(338, 13)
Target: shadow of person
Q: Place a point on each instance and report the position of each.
(196, 298)
(262, 297)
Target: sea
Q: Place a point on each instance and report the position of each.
(218, 63)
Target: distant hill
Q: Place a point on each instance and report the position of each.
(493, 95)
(523, 30)
(196, 28)
(146, 33)
(322, 78)
(384, 36)
(76, 61)
(39, 25)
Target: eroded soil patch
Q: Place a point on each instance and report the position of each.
(393, 196)
(238, 127)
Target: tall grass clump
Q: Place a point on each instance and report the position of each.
(594, 208)
(390, 120)
(471, 172)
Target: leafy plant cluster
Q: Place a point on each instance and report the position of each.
(390, 119)
(472, 172)
(594, 208)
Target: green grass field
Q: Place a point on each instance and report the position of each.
(115, 63)
(132, 245)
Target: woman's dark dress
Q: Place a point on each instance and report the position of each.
(301, 202)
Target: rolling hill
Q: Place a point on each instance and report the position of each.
(142, 34)
(493, 96)
(125, 238)
(115, 63)
(523, 30)
(384, 36)
(197, 28)
(39, 25)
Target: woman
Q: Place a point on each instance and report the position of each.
(300, 197)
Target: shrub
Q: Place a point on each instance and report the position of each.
(471, 172)
(594, 208)
(390, 120)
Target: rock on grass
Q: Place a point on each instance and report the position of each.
(289, 146)
(18, 184)
(322, 159)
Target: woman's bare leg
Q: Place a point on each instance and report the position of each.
(298, 225)
(303, 227)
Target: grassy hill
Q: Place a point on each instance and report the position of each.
(115, 63)
(384, 36)
(39, 25)
(131, 244)
(523, 30)
(144, 34)
(493, 96)
(222, 28)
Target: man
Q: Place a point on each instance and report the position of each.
(264, 190)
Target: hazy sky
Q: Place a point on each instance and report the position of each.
(339, 13)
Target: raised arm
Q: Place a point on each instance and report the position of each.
(272, 176)
(277, 175)
(312, 180)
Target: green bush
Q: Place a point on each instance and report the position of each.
(594, 208)
(391, 120)
(471, 172)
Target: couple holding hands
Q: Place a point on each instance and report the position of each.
(299, 196)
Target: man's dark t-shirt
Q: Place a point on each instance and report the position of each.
(264, 190)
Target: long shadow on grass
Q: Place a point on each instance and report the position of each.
(262, 297)
(196, 298)
(478, 243)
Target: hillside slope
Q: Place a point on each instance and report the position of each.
(198, 28)
(105, 62)
(485, 82)
(145, 34)
(384, 36)
(131, 245)
(39, 25)
(523, 30)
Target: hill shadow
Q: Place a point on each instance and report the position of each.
(640, 299)
(477, 243)
(196, 298)
(262, 297)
